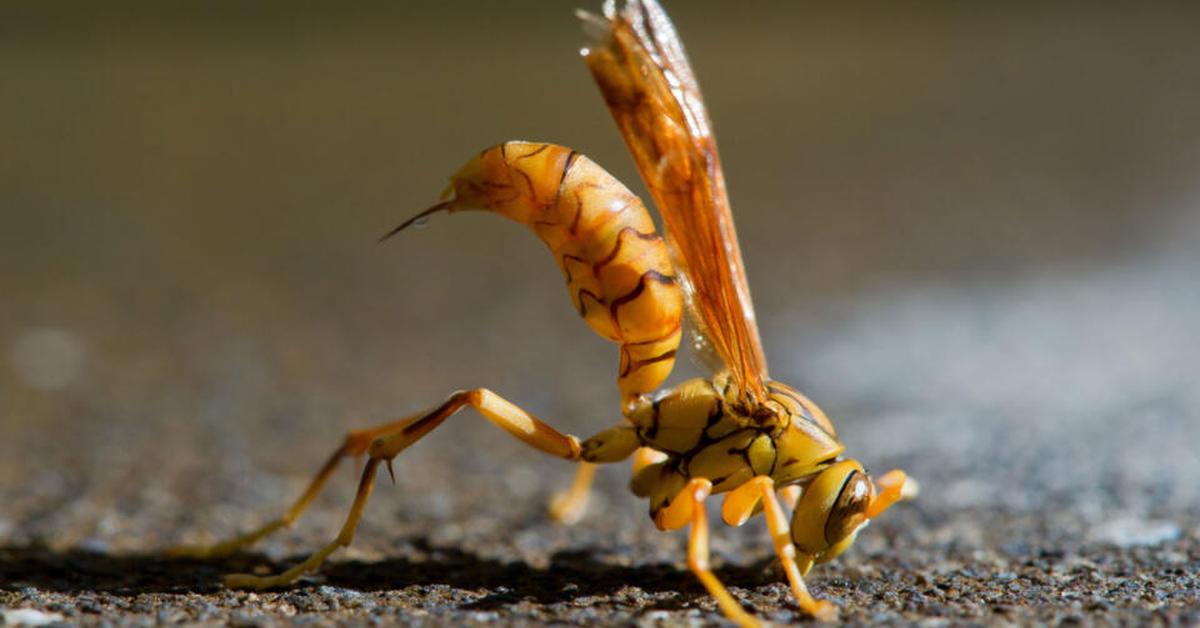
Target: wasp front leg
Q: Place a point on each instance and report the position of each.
(789, 494)
(891, 487)
(388, 444)
(741, 504)
(688, 507)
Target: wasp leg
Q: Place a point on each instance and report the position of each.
(688, 505)
(611, 445)
(646, 456)
(892, 487)
(356, 444)
(385, 447)
(790, 494)
(740, 505)
(568, 506)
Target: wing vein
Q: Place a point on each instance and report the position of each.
(642, 70)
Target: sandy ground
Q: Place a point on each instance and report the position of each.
(1074, 501)
(971, 238)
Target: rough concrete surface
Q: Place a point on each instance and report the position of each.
(1070, 502)
(979, 283)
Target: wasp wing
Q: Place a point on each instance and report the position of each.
(643, 73)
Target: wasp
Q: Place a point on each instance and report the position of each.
(759, 442)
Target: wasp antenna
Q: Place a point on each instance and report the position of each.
(407, 223)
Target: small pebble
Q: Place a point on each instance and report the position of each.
(29, 617)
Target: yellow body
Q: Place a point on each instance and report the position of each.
(620, 279)
(704, 435)
(761, 443)
(618, 272)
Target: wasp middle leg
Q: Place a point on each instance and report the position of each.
(390, 442)
(569, 506)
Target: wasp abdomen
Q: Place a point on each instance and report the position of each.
(618, 271)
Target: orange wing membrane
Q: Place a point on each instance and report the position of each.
(643, 73)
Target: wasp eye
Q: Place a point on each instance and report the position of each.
(849, 509)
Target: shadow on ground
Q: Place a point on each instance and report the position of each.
(78, 570)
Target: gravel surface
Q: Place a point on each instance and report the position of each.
(193, 314)
(1074, 500)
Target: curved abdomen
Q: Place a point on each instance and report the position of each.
(618, 271)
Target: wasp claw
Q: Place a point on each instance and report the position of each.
(390, 471)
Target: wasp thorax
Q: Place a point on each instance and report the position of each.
(832, 508)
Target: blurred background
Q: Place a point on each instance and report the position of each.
(970, 232)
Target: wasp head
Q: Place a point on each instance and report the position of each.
(838, 503)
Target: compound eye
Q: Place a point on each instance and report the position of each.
(849, 509)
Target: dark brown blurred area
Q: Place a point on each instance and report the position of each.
(971, 233)
(929, 139)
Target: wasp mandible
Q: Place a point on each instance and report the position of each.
(758, 441)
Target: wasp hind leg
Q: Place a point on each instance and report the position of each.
(355, 445)
(386, 446)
